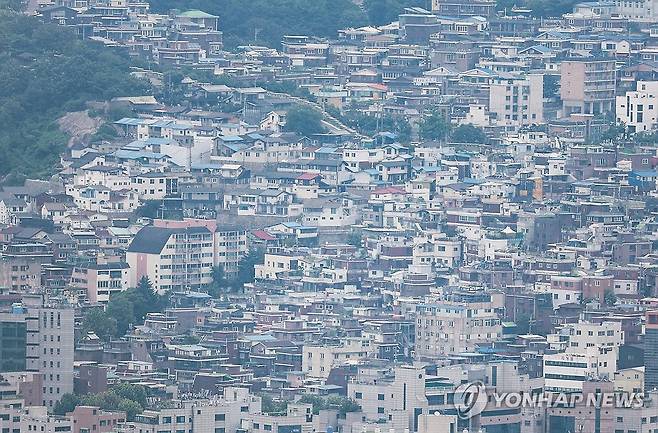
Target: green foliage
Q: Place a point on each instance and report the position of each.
(551, 85)
(382, 12)
(219, 283)
(645, 138)
(304, 121)
(123, 397)
(540, 8)
(66, 404)
(370, 125)
(12, 5)
(246, 272)
(132, 392)
(117, 112)
(342, 404)
(468, 134)
(614, 132)
(317, 402)
(434, 126)
(609, 297)
(120, 308)
(523, 324)
(148, 209)
(105, 133)
(45, 72)
(265, 22)
(188, 339)
(271, 406)
(222, 285)
(355, 239)
(99, 322)
(125, 308)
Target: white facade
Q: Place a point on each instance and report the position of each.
(517, 100)
(637, 10)
(638, 109)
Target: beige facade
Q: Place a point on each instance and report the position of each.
(318, 361)
(173, 259)
(445, 329)
(587, 86)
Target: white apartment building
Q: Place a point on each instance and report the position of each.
(275, 264)
(380, 396)
(583, 336)
(317, 361)
(637, 10)
(298, 419)
(517, 100)
(98, 281)
(437, 249)
(171, 258)
(638, 109)
(219, 415)
(230, 248)
(566, 372)
(445, 329)
(154, 185)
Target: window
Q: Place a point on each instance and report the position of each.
(358, 395)
(380, 397)
(380, 410)
(220, 417)
(267, 427)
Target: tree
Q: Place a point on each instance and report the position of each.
(99, 322)
(265, 22)
(343, 404)
(132, 392)
(121, 310)
(645, 137)
(522, 324)
(382, 12)
(131, 306)
(148, 209)
(318, 402)
(246, 272)
(468, 134)
(304, 121)
(125, 397)
(609, 297)
(219, 282)
(46, 71)
(131, 408)
(355, 239)
(551, 85)
(270, 406)
(106, 132)
(614, 132)
(66, 404)
(434, 126)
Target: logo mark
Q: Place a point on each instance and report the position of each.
(470, 399)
